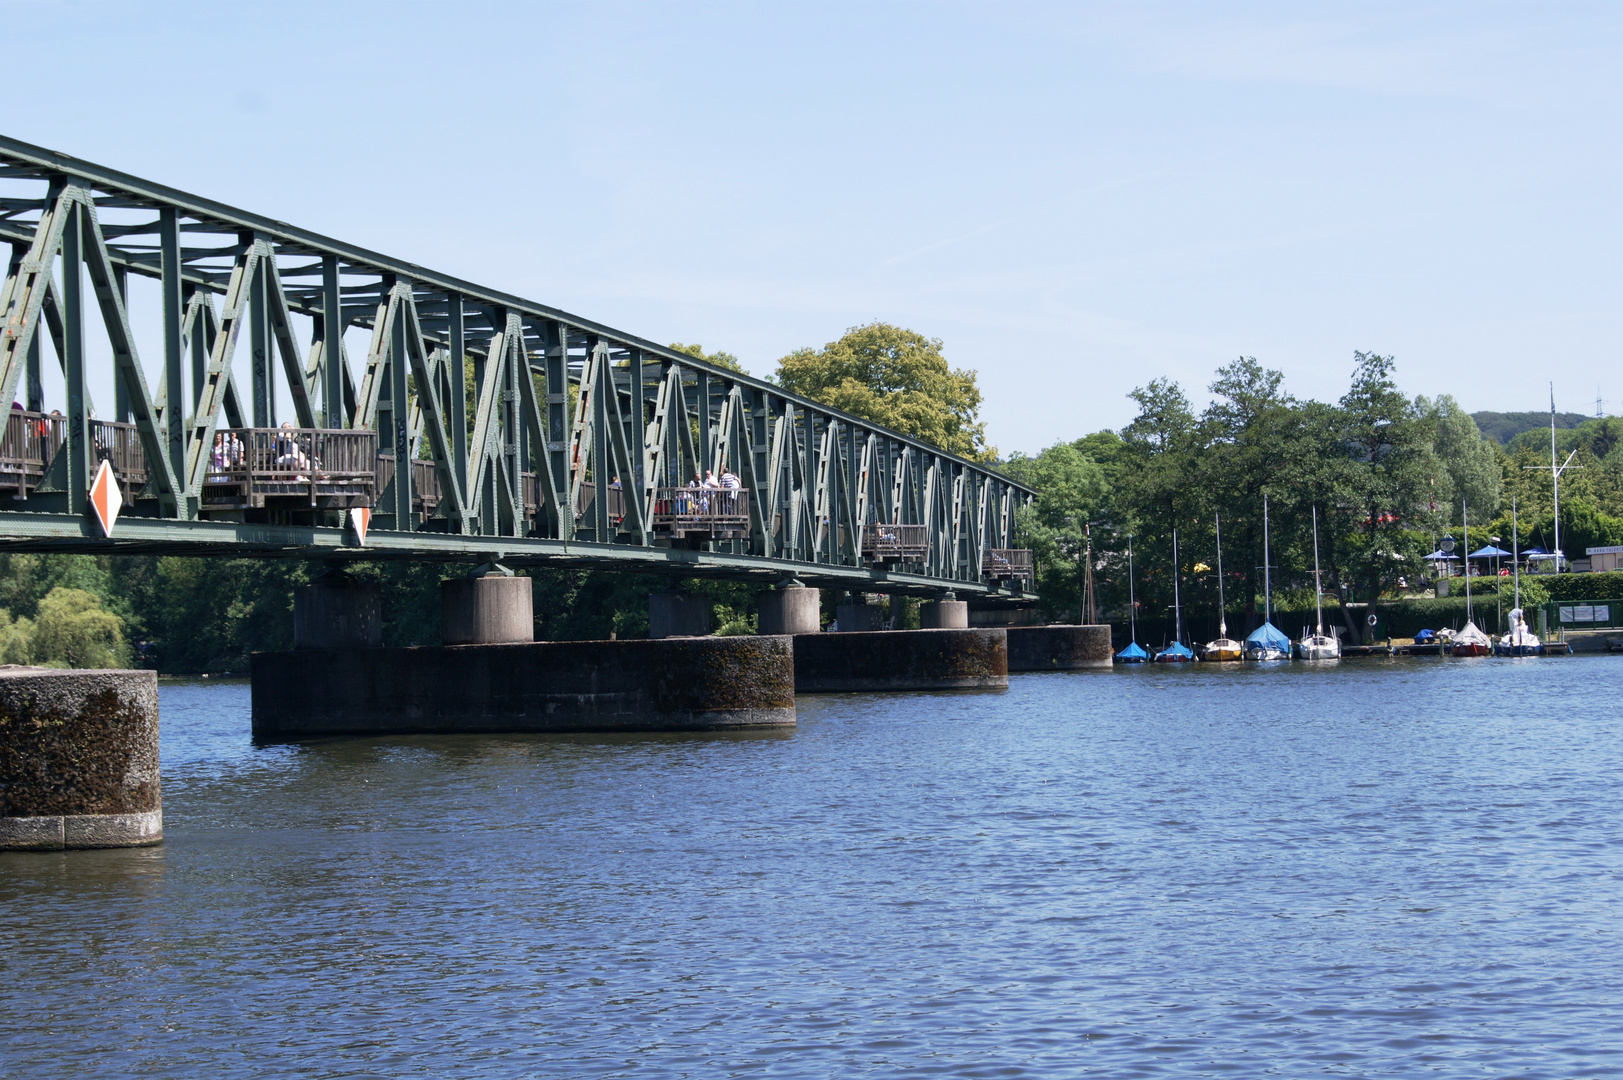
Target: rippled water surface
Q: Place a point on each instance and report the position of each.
(1386, 868)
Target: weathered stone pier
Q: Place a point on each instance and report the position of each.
(78, 759)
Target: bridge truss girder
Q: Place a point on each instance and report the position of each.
(558, 403)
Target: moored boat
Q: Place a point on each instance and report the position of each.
(1224, 648)
(1133, 653)
(1520, 639)
(1177, 652)
(1266, 642)
(1318, 645)
(1470, 642)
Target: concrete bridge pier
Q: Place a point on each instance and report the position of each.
(891, 660)
(678, 614)
(78, 759)
(491, 606)
(791, 608)
(856, 616)
(949, 613)
(337, 612)
(1059, 648)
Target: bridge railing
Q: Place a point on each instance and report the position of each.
(885, 543)
(290, 468)
(425, 483)
(1007, 564)
(588, 498)
(120, 446)
(715, 513)
(30, 441)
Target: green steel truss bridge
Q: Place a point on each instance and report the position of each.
(478, 426)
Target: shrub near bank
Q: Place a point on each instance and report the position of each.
(1569, 588)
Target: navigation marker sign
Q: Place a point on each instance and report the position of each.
(360, 517)
(105, 498)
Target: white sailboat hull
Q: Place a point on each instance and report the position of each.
(1319, 647)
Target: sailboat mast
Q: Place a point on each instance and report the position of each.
(1318, 589)
(1222, 609)
(1515, 551)
(1555, 485)
(1177, 605)
(1132, 600)
(1465, 528)
(1267, 580)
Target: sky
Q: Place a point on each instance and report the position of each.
(1074, 198)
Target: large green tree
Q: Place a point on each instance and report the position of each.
(897, 378)
(1395, 469)
(1470, 463)
(1072, 495)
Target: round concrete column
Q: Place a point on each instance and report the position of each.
(858, 617)
(337, 612)
(678, 614)
(492, 609)
(78, 759)
(944, 615)
(792, 610)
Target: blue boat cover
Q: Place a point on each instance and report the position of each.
(1178, 649)
(1268, 634)
(1424, 637)
(1133, 652)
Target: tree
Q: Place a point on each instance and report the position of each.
(1470, 463)
(1160, 451)
(1390, 444)
(897, 378)
(719, 359)
(73, 631)
(1071, 492)
(16, 639)
(1256, 446)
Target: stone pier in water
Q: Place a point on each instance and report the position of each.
(78, 759)
(1059, 648)
(678, 684)
(973, 659)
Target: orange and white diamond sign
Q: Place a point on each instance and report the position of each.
(105, 498)
(360, 517)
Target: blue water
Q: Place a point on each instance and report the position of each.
(1383, 868)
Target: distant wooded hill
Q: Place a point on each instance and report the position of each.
(1504, 426)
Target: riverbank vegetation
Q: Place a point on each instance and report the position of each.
(1386, 473)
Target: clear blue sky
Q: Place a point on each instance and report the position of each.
(1075, 198)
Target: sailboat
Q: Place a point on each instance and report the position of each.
(1225, 647)
(1266, 642)
(1134, 653)
(1177, 652)
(1520, 640)
(1318, 645)
(1471, 641)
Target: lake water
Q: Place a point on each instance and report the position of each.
(1382, 868)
